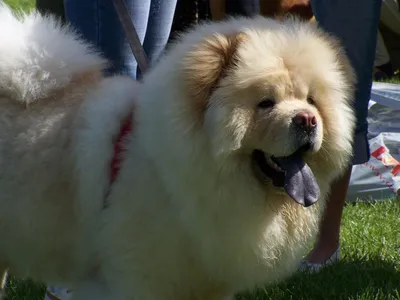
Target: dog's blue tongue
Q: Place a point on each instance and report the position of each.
(300, 183)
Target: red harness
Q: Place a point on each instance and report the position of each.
(117, 158)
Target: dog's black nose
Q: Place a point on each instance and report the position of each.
(305, 120)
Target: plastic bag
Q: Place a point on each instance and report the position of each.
(379, 178)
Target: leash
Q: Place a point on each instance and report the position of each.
(126, 124)
(131, 35)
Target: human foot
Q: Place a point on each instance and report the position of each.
(318, 260)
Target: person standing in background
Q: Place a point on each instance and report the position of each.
(99, 24)
(355, 24)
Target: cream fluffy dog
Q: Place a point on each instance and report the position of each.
(236, 133)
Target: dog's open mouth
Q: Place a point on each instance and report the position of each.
(289, 172)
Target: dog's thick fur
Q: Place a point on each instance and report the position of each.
(188, 218)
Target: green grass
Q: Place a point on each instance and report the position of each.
(395, 80)
(370, 268)
(24, 5)
(370, 265)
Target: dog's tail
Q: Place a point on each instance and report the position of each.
(39, 55)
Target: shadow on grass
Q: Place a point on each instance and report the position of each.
(373, 279)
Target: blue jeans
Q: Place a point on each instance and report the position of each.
(99, 24)
(355, 23)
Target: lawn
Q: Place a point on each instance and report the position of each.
(25, 5)
(370, 268)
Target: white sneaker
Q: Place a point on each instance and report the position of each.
(315, 268)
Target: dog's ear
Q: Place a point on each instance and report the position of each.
(206, 64)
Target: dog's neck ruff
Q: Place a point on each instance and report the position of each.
(118, 157)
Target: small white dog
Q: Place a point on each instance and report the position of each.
(220, 158)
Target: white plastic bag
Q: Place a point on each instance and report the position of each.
(379, 178)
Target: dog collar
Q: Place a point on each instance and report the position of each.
(117, 158)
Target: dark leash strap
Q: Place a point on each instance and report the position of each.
(131, 35)
(142, 61)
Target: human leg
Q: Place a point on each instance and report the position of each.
(158, 28)
(355, 23)
(99, 24)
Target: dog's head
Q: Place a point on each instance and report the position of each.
(276, 93)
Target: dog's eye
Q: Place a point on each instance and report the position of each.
(266, 103)
(310, 100)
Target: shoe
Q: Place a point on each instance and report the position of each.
(315, 268)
